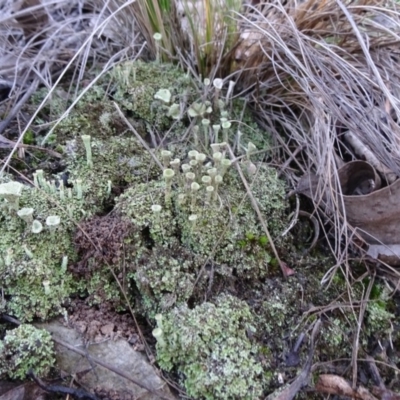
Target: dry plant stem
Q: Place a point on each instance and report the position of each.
(110, 368)
(291, 158)
(316, 230)
(357, 336)
(376, 377)
(296, 213)
(257, 210)
(302, 379)
(380, 389)
(326, 83)
(93, 359)
(143, 143)
(9, 144)
(362, 150)
(19, 105)
(62, 390)
(371, 64)
(32, 22)
(331, 307)
(148, 350)
(35, 114)
(292, 155)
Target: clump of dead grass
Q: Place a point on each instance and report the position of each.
(44, 43)
(316, 70)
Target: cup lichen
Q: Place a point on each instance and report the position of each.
(11, 192)
(180, 248)
(205, 349)
(25, 348)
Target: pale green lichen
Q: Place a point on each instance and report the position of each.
(200, 243)
(165, 278)
(29, 259)
(142, 82)
(210, 347)
(26, 348)
(32, 255)
(227, 229)
(118, 161)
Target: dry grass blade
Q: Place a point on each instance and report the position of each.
(42, 42)
(257, 210)
(317, 70)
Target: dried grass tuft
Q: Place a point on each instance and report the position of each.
(314, 71)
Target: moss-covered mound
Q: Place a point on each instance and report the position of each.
(154, 203)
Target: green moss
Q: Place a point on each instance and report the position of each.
(379, 318)
(25, 348)
(29, 137)
(210, 347)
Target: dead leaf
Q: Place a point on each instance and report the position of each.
(18, 391)
(373, 211)
(334, 384)
(288, 271)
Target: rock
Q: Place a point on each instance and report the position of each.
(118, 354)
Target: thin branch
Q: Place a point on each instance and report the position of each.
(258, 212)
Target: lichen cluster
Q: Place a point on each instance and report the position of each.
(210, 347)
(182, 238)
(26, 348)
(192, 228)
(34, 251)
(190, 219)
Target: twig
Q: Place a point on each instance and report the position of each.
(79, 394)
(290, 392)
(143, 143)
(258, 212)
(363, 150)
(18, 106)
(111, 368)
(9, 144)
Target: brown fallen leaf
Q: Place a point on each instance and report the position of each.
(334, 384)
(289, 271)
(18, 391)
(374, 212)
